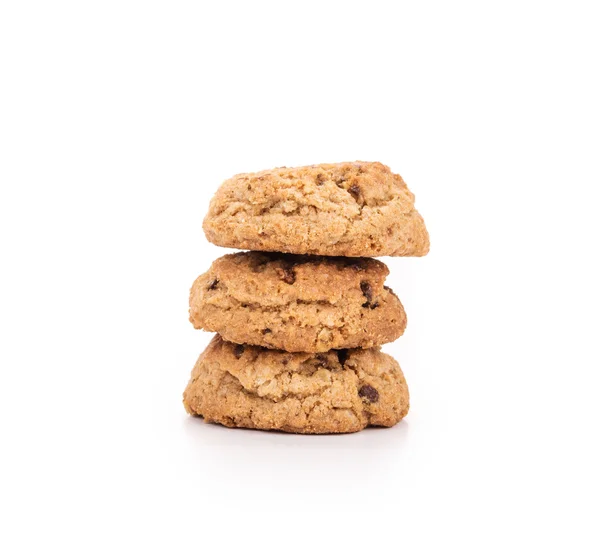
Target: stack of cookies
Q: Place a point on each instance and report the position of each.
(301, 317)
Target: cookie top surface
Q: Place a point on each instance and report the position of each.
(334, 392)
(347, 209)
(297, 303)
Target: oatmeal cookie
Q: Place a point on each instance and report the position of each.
(358, 209)
(297, 303)
(335, 392)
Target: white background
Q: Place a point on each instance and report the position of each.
(119, 119)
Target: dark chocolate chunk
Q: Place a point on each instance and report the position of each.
(354, 191)
(369, 393)
(266, 330)
(213, 285)
(238, 351)
(367, 291)
(287, 275)
(342, 356)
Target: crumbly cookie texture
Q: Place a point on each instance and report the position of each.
(335, 392)
(346, 209)
(297, 303)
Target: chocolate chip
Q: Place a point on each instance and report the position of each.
(354, 191)
(238, 351)
(369, 393)
(367, 291)
(287, 275)
(342, 356)
(213, 285)
(266, 330)
(285, 361)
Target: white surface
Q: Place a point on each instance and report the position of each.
(118, 120)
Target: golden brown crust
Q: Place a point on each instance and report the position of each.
(346, 209)
(297, 303)
(334, 392)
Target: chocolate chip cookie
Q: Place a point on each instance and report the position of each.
(346, 209)
(297, 303)
(334, 392)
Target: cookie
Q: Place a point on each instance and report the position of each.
(346, 209)
(335, 392)
(297, 303)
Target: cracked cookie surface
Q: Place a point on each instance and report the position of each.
(334, 392)
(297, 303)
(358, 209)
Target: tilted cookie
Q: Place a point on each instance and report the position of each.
(297, 303)
(346, 209)
(334, 392)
